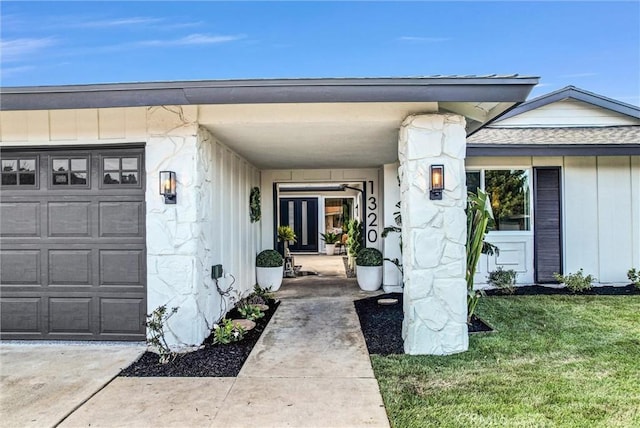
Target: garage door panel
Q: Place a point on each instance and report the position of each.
(69, 219)
(70, 267)
(20, 314)
(72, 257)
(122, 316)
(20, 219)
(19, 267)
(121, 267)
(70, 315)
(121, 218)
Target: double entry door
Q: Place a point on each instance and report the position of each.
(301, 214)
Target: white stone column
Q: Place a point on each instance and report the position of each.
(433, 235)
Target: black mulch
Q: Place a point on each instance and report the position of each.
(382, 325)
(210, 361)
(531, 290)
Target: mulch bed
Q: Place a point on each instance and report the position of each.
(210, 361)
(382, 325)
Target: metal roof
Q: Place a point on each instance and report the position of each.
(490, 88)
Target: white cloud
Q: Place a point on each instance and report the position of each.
(12, 71)
(119, 22)
(423, 39)
(17, 49)
(192, 39)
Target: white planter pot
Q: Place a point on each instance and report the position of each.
(369, 277)
(330, 249)
(269, 277)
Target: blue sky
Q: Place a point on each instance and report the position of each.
(592, 45)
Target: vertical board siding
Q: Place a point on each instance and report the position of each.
(614, 217)
(547, 233)
(581, 214)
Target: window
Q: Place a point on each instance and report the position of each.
(70, 172)
(19, 172)
(121, 170)
(509, 194)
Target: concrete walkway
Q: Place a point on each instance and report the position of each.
(310, 368)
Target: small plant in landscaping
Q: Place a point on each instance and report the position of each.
(226, 332)
(330, 237)
(634, 277)
(505, 280)
(369, 257)
(265, 293)
(155, 323)
(575, 282)
(269, 258)
(250, 312)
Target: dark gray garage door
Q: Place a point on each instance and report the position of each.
(72, 244)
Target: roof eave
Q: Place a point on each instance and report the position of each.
(440, 89)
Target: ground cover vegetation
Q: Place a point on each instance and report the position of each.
(555, 360)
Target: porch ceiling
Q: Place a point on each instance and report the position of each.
(325, 135)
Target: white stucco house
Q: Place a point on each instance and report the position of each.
(88, 245)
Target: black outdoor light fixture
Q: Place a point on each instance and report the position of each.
(168, 186)
(437, 182)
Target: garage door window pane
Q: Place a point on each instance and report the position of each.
(78, 164)
(9, 179)
(130, 164)
(61, 164)
(27, 165)
(28, 179)
(123, 171)
(19, 172)
(111, 164)
(78, 178)
(9, 165)
(111, 178)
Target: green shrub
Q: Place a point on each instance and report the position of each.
(634, 277)
(355, 240)
(264, 293)
(505, 280)
(575, 282)
(250, 312)
(269, 258)
(155, 323)
(227, 332)
(369, 257)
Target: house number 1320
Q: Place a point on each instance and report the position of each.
(372, 217)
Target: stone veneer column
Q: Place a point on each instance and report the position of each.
(434, 235)
(173, 231)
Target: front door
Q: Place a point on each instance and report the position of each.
(302, 215)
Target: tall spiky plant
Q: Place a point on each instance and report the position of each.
(479, 215)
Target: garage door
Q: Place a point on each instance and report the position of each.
(72, 244)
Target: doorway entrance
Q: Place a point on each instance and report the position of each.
(301, 214)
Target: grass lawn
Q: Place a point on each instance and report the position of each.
(554, 361)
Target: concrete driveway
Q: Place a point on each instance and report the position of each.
(40, 384)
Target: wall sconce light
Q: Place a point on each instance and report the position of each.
(437, 182)
(168, 186)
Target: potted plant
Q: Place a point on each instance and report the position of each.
(330, 239)
(369, 269)
(269, 269)
(286, 235)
